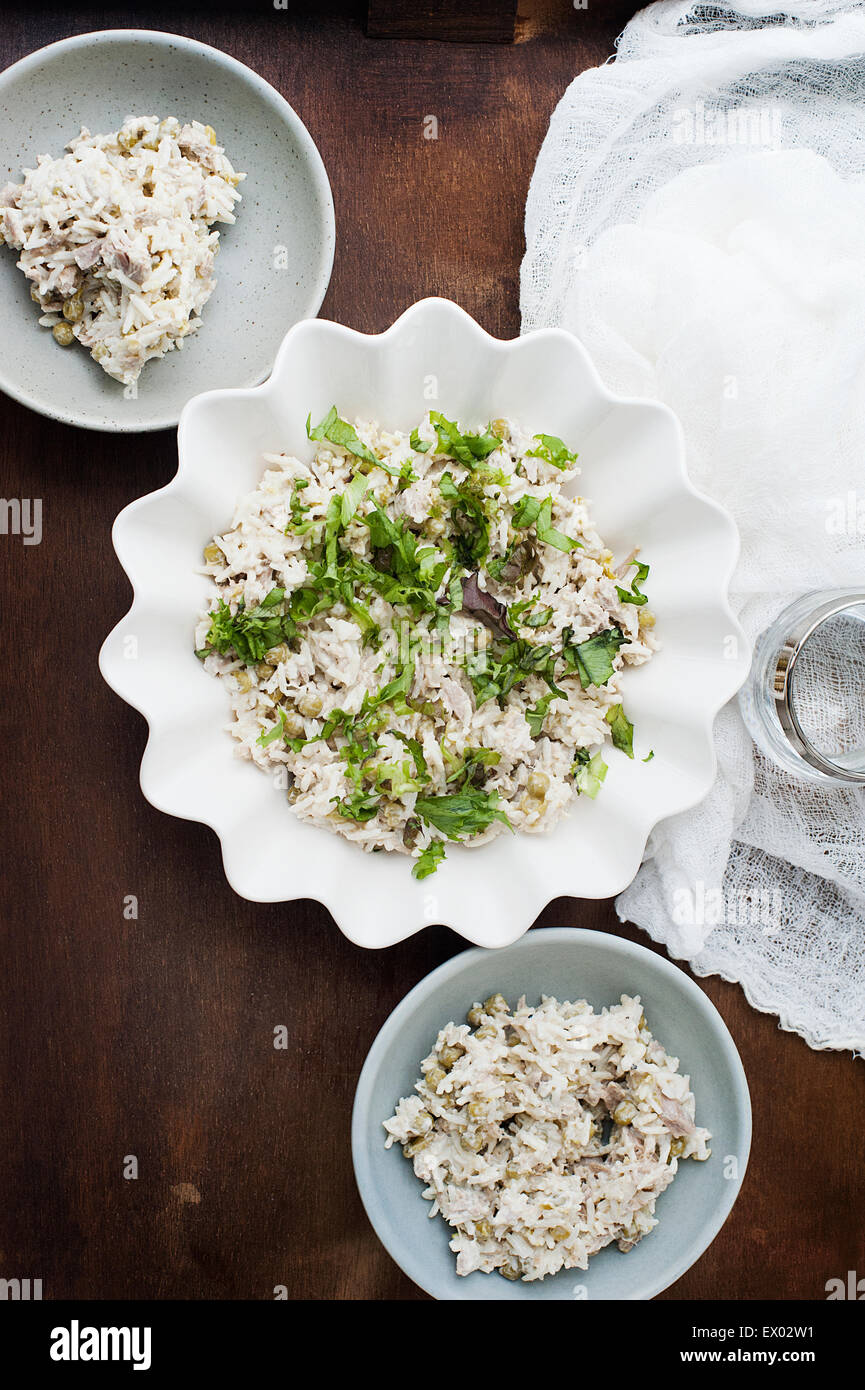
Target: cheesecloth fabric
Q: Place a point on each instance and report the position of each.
(697, 218)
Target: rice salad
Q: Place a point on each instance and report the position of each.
(544, 1134)
(422, 633)
(117, 239)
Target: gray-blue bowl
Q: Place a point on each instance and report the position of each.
(570, 964)
(274, 264)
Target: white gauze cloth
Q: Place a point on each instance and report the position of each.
(697, 218)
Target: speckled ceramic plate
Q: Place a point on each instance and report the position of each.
(274, 263)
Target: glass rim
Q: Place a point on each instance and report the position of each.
(782, 681)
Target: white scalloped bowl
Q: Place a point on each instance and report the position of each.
(632, 457)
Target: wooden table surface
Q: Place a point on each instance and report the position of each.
(153, 1037)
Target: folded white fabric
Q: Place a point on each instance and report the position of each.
(697, 218)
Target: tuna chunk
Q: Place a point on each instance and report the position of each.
(676, 1118)
(119, 253)
(87, 255)
(613, 1094)
(12, 225)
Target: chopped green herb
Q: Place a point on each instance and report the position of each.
(526, 512)
(494, 672)
(466, 448)
(265, 739)
(420, 446)
(538, 512)
(396, 778)
(635, 594)
(429, 859)
(416, 750)
(516, 610)
(589, 772)
(297, 509)
(552, 450)
(592, 660)
(407, 476)
(340, 432)
(471, 540)
(462, 814)
(535, 717)
(547, 532)
(352, 498)
(251, 632)
(361, 805)
(332, 529)
(470, 769)
(398, 687)
(369, 628)
(621, 729)
(539, 619)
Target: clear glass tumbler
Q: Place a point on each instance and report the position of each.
(804, 700)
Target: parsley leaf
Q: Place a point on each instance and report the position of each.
(406, 475)
(414, 747)
(396, 778)
(360, 805)
(429, 859)
(398, 687)
(461, 814)
(251, 632)
(265, 739)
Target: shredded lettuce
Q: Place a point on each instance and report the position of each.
(589, 772)
(538, 512)
(552, 450)
(635, 594)
(340, 432)
(468, 449)
(621, 729)
(592, 660)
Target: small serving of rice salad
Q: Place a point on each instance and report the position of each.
(544, 1133)
(117, 240)
(423, 634)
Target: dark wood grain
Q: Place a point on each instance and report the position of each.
(153, 1037)
(483, 21)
